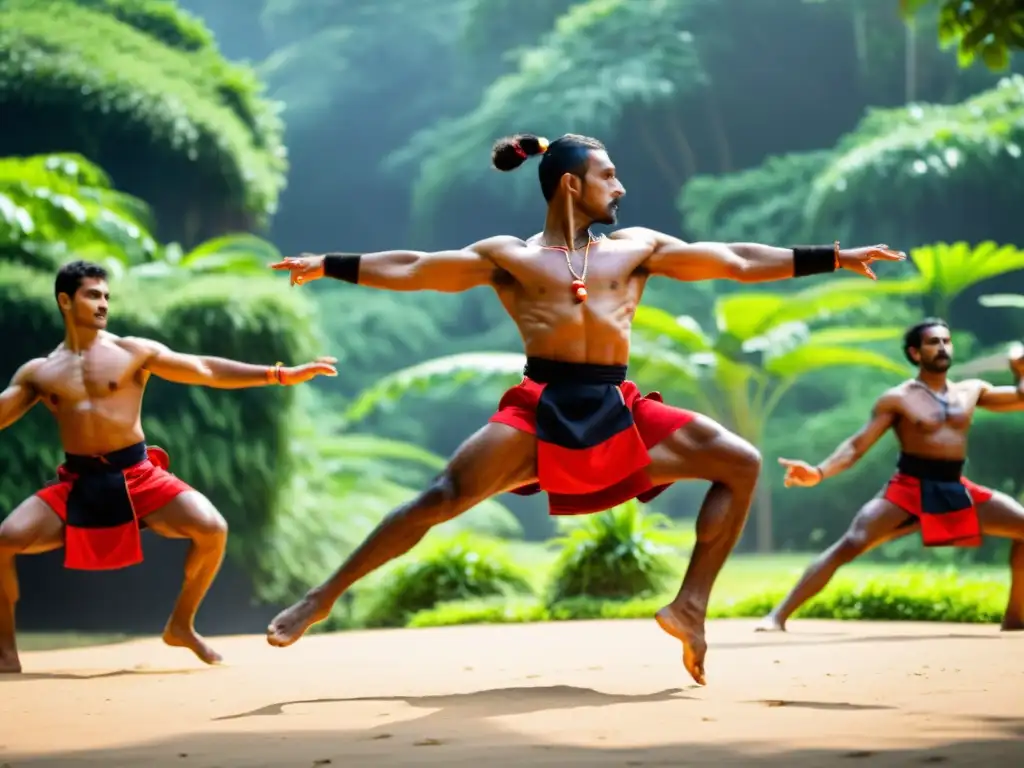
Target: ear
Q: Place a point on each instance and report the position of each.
(571, 184)
(64, 302)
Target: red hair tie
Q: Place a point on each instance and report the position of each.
(519, 150)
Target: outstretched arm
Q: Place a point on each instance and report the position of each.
(20, 395)
(219, 372)
(750, 262)
(1002, 399)
(849, 452)
(444, 271)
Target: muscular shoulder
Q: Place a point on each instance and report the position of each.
(649, 237)
(137, 346)
(25, 374)
(498, 247)
(891, 401)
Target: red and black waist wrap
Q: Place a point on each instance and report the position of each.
(593, 430)
(101, 518)
(583, 423)
(940, 497)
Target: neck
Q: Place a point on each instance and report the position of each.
(566, 227)
(932, 380)
(77, 339)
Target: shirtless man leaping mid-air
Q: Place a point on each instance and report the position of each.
(111, 483)
(931, 417)
(575, 427)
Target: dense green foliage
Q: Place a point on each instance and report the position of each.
(902, 175)
(175, 124)
(987, 29)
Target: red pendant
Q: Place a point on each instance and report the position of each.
(579, 290)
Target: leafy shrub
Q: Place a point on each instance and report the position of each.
(616, 554)
(193, 120)
(455, 568)
(910, 595)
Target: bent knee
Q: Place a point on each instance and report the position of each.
(744, 459)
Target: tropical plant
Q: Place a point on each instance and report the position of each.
(53, 207)
(943, 272)
(987, 29)
(617, 554)
(140, 96)
(763, 346)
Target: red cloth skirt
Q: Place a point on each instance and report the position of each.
(103, 501)
(941, 498)
(593, 429)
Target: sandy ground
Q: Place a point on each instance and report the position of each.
(575, 693)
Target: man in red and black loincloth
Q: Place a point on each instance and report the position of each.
(931, 417)
(575, 427)
(111, 483)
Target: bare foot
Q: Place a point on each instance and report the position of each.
(186, 637)
(770, 624)
(9, 663)
(691, 633)
(291, 623)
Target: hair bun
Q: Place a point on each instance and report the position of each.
(511, 152)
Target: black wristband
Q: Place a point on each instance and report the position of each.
(814, 259)
(342, 266)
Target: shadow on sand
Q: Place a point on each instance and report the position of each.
(461, 730)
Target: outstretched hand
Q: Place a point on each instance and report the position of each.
(1016, 356)
(857, 259)
(299, 374)
(303, 268)
(800, 474)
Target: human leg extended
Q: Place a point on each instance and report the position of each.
(1003, 516)
(877, 522)
(705, 450)
(31, 529)
(497, 458)
(190, 515)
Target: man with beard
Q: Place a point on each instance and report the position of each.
(930, 416)
(111, 483)
(575, 427)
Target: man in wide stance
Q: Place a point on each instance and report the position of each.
(575, 427)
(930, 416)
(111, 484)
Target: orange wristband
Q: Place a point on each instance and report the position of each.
(274, 374)
(836, 245)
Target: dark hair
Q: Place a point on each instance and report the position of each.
(70, 276)
(568, 154)
(912, 338)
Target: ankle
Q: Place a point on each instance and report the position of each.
(691, 605)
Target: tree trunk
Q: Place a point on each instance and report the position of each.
(763, 517)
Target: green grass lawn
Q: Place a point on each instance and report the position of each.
(50, 641)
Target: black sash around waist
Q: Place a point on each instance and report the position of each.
(547, 371)
(115, 461)
(942, 470)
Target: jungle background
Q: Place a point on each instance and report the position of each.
(188, 144)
